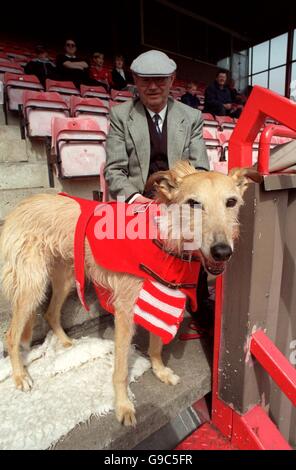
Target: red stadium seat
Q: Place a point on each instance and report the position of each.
(225, 122)
(12, 67)
(113, 103)
(213, 146)
(14, 55)
(63, 88)
(209, 120)
(90, 108)
(120, 95)
(79, 146)
(39, 108)
(15, 85)
(95, 92)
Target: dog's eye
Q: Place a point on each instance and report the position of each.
(193, 203)
(231, 202)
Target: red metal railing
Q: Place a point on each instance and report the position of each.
(264, 144)
(261, 103)
(255, 430)
(275, 364)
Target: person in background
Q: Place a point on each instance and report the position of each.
(218, 99)
(237, 97)
(71, 67)
(120, 76)
(97, 71)
(190, 97)
(42, 67)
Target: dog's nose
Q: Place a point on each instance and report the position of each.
(221, 252)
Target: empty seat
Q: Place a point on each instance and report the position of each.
(15, 85)
(16, 55)
(213, 146)
(209, 120)
(95, 92)
(12, 67)
(225, 122)
(63, 88)
(121, 95)
(39, 108)
(113, 103)
(90, 107)
(79, 147)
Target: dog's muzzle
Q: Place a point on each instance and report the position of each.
(220, 254)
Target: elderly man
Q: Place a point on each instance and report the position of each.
(152, 132)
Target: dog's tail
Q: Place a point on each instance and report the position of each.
(24, 270)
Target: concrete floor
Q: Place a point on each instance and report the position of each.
(156, 403)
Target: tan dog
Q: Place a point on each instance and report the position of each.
(37, 248)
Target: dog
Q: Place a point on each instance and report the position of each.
(37, 249)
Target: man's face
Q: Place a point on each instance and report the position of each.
(70, 47)
(221, 79)
(154, 91)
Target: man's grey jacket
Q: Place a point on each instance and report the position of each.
(128, 144)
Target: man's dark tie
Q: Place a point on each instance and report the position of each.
(156, 119)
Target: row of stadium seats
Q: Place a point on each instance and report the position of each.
(16, 84)
(39, 108)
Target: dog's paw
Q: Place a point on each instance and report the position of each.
(23, 382)
(67, 343)
(167, 376)
(125, 414)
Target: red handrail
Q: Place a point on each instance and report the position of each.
(262, 103)
(264, 144)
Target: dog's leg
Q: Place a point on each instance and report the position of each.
(28, 332)
(20, 316)
(62, 283)
(125, 411)
(165, 374)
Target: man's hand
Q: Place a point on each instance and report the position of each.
(227, 105)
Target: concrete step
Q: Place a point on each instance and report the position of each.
(10, 198)
(156, 404)
(12, 147)
(23, 175)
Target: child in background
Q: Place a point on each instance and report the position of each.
(97, 71)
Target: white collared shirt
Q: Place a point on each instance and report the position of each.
(162, 114)
(121, 71)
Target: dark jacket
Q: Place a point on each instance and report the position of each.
(190, 100)
(76, 76)
(43, 69)
(118, 82)
(215, 97)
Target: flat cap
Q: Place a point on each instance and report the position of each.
(153, 64)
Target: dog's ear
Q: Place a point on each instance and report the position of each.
(164, 183)
(241, 176)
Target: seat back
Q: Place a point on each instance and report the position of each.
(39, 108)
(79, 145)
(15, 84)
